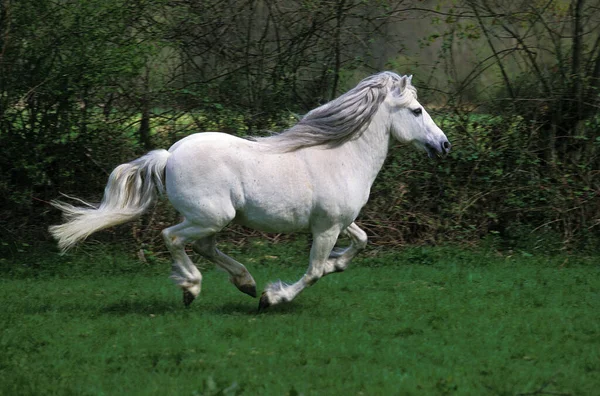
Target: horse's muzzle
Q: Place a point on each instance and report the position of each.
(438, 150)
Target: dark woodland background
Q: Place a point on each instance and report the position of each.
(88, 84)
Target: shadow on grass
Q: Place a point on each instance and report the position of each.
(284, 309)
(251, 309)
(142, 307)
(158, 306)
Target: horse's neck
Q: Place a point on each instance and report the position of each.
(370, 150)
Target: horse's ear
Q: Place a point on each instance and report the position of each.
(401, 85)
(409, 78)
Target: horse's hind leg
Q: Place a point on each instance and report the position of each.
(238, 274)
(184, 272)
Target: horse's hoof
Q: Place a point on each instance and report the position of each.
(264, 302)
(248, 289)
(188, 298)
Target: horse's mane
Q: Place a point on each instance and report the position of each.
(340, 120)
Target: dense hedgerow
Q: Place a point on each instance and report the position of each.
(497, 185)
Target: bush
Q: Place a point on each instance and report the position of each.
(494, 184)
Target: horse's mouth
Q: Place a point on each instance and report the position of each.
(431, 152)
(438, 151)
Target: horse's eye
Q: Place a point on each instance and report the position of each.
(417, 112)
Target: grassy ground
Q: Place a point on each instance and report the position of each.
(420, 321)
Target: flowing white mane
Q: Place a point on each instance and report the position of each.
(342, 119)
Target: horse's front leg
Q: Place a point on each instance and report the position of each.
(340, 258)
(279, 292)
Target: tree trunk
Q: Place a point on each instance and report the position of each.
(576, 58)
(144, 131)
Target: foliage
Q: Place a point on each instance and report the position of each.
(528, 174)
(274, 55)
(422, 321)
(87, 85)
(63, 66)
(493, 185)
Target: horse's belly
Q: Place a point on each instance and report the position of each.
(271, 216)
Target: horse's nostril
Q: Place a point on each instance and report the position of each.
(446, 146)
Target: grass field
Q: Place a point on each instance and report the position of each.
(414, 322)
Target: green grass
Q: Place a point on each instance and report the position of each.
(413, 322)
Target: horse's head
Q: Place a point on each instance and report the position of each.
(410, 123)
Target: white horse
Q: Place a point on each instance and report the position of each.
(315, 176)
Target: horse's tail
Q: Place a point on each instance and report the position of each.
(130, 190)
